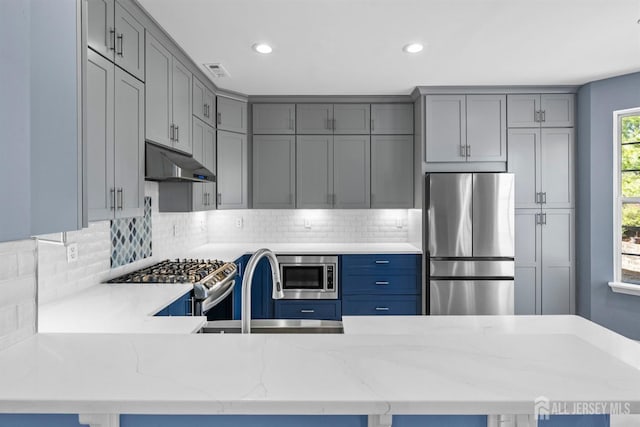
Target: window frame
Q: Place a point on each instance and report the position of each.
(617, 285)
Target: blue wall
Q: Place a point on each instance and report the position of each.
(594, 217)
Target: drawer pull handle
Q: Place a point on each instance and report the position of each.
(307, 311)
(382, 261)
(382, 283)
(382, 308)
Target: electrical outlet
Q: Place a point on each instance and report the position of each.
(399, 222)
(239, 222)
(72, 252)
(307, 223)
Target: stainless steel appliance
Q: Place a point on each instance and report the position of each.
(212, 280)
(309, 276)
(469, 229)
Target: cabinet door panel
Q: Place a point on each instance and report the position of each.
(274, 119)
(314, 119)
(100, 27)
(158, 103)
(210, 150)
(351, 171)
(524, 161)
(557, 262)
(392, 119)
(129, 144)
(198, 196)
(558, 110)
(486, 128)
(351, 119)
(198, 139)
(100, 127)
(198, 99)
(129, 43)
(232, 115)
(525, 285)
(445, 128)
(314, 171)
(392, 171)
(527, 262)
(182, 88)
(274, 165)
(556, 167)
(210, 102)
(232, 171)
(521, 111)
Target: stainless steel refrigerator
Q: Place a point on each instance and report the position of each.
(469, 229)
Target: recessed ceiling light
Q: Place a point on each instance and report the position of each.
(413, 48)
(262, 48)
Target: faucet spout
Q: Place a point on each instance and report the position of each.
(277, 292)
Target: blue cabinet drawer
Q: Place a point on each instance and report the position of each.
(381, 284)
(380, 305)
(308, 309)
(383, 263)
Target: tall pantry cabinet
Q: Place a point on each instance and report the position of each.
(541, 152)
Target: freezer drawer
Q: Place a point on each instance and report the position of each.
(465, 268)
(475, 297)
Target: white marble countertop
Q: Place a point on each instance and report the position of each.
(118, 308)
(430, 365)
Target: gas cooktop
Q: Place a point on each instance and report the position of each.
(177, 271)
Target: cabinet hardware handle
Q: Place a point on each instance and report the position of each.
(208, 199)
(372, 128)
(382, 282)
(382, 261)
(382, 308)
(468, 151)
(538, 198)
(113, 199)
(307, 311)
(120, 198)
(544, 197)
(543, 117)
(463, 151)
(543, 218)
(112, 39)
(204, 199)
(536, 116)
(121, 40)
(537, 218)
(177, 133)
(171, 132)
(204, 110)
(219, 198)
(219, 118)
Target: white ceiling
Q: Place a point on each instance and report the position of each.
(354, 47)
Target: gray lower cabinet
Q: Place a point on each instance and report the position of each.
(333, 171)
(168, 98)
(465, 128)
(115, 141)
(231, 115)
(274, 171)
(204, 102)
(543, 163)
(232, 178)
(392, 177)
(544, 261)
(392, 119)
(541, 110)
(274, 119)
(115, 34)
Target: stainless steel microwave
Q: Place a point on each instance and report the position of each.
(309, 276)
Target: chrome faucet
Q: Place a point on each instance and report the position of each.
(247, 278)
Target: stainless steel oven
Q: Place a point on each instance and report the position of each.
(309, 276)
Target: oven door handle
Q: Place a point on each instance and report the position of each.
(214, 300)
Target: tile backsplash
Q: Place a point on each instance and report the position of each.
(131, 237)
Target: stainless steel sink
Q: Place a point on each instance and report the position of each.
(275, 326)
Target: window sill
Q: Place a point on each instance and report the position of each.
(625, 288)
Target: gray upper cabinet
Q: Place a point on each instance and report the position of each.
(115, 141)
(314, 119)
(351, 119)
(129, 45)
(543, 163)
(168, 98)
(392, 119)
(274, 166)
(115, 34)
(204, 150)
(314, 171)
(101, 28)
(465, 128)
(232, 171)
(446, 137)
(535, 110)
(204, 102)
(351, 171)
(486, 128)
(231, 115)
(392, 171)
(274, 119)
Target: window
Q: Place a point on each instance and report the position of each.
(627, 201)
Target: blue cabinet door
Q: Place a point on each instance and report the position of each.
(261, 301)
(308, 309)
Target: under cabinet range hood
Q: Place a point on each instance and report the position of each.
(164, 164)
